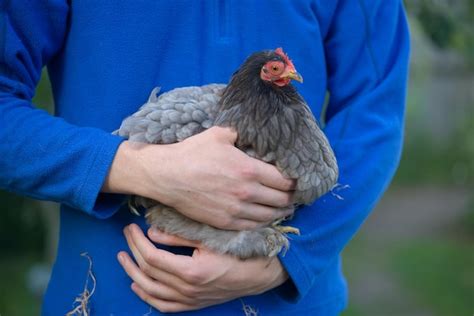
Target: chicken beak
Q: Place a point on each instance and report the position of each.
(295, 76)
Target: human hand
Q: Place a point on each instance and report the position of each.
(208, 179)
(174, 283)
(212, 181)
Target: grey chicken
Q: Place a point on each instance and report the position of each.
(273, 123)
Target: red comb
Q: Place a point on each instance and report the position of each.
(279, 51)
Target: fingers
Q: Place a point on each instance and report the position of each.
(167, 261)
(163, 306)
(160, 296)
(260, 205)
(162, 290)
(210, 278)
(264, 214)
(271, 197)
(175, 281)
(269, 176)
(170, 240)
(151, 271)
(152, 287)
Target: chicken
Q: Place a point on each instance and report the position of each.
(273, 124)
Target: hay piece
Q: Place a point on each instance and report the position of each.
(81, 302)
(248, 310)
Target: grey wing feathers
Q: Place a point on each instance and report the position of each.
(310, 159)
(173, 116)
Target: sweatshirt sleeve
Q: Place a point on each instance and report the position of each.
(367, 51)
(42, 156)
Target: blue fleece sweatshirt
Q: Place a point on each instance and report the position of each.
(104, 57)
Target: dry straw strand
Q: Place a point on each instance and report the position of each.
(81, 302)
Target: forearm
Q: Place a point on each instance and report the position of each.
(42, 156)
(45, 157)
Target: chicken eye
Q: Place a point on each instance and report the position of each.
(276, 67)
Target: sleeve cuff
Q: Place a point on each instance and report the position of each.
(95, 203)
(300, 281)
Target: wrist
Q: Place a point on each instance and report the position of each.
(136, 168)
(274, 275)
(153, 167)
(126, 172)
(281, 276)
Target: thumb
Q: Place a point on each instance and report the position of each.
(160, 237)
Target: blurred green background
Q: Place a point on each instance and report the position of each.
(415, 253)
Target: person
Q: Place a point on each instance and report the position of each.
(104, 58)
